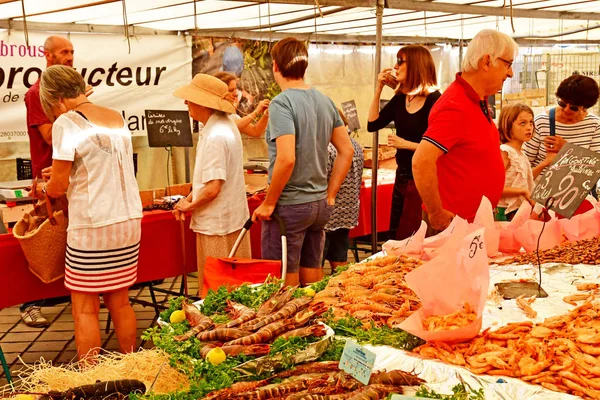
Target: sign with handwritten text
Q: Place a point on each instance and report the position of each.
(569, 179)
(349, 110)
(168, 128)
(357, 361)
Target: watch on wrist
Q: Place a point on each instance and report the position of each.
(44, 190)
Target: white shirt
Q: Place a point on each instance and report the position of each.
(102, 186)
(518, 175)
(219, 156)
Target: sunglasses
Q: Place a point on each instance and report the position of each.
(562, 104)
(400, 61)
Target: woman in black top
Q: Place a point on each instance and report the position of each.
(415, 85)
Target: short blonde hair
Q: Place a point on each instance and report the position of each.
(59, 82)
(488, 42)
(508, 116)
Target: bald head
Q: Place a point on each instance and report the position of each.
(58, 51)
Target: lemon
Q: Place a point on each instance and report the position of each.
(24, 397)
(216, 356)
(310, 292)
(177, 316)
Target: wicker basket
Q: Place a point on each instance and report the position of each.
(45, 246)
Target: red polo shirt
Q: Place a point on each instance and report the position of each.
(471, 166)
(41, 152)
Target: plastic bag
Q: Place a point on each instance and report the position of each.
(508, 243)
(460, 275)
(582, 226)
(449, 237)
(527, 234)
(410, 246)
(485, 219)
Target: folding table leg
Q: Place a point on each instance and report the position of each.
(153, 296)
(5, 367)
(355, 250)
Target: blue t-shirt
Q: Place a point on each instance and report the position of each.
(311, 117)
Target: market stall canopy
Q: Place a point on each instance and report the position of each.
(446, 21)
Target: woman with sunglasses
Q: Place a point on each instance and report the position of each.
(574, 124)
(415, 85)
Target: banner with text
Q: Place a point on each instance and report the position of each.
(129, 83)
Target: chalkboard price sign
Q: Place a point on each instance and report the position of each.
(349, 110)
(569, 179)
(168, 128)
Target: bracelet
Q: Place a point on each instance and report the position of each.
(44, 190)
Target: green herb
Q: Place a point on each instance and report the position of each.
(334, 351)
(288, 348)
(322, 284)
(220, 318)
(354, 328)
(215, 302)
(174, 305)
(460, 392)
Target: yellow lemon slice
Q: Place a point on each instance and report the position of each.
(216, 356)
(177, 316)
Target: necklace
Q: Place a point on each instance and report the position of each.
(83, 102)
(409, 100)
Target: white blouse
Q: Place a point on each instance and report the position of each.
(219, 156)
(102, 186)
(518, 175)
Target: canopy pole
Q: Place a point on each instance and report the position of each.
(375, 167)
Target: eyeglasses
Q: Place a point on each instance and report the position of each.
(400, 61)
(562, 104)
(508, 63)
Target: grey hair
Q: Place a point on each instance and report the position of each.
(59, 82)
(488, 42)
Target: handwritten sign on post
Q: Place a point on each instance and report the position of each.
(349, 110)
(168, 128)
(569, 179)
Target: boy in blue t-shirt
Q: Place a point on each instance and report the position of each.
(302, 123)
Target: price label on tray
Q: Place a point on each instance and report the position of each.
(569, 179)
(357, 361)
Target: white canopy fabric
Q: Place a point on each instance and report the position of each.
(444, 21)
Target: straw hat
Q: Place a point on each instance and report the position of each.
(208, 91)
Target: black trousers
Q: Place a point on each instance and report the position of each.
(405, 217)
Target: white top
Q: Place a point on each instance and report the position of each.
(219, 156)
(102, 186)
(518, 175)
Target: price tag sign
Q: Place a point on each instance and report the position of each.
(168, 128)
(569, 179)
(357, 361)
(349, 110)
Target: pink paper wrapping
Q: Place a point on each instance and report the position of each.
(528, 233)
(582, 226)
(508, 243)
(485, 219)
(457, 276)
(433, 245)
(410, 246)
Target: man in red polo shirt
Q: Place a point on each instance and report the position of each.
(459, 160)
(58, 51)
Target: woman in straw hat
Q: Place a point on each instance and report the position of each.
(93, 163)
(218, 199)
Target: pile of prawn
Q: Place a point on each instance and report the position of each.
(453, 321)
(318, 381)
(561, 354)
(250, 331)
(373, 291)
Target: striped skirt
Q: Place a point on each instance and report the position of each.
(103, 259)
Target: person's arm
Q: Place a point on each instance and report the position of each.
(542, 166)
(343, 161)
(246, 125)
(426, 179)
(46, 131)
(380, 119)
(208, 193)
(282, 171)
(400, 143)
(59, 181)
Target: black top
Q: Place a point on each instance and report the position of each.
(410, 127)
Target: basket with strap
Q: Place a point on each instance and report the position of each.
(42, 234)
